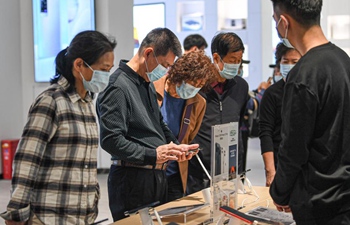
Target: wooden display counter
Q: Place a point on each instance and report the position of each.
(248, 201)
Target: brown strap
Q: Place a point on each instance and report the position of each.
(186, 122)
(183, 166)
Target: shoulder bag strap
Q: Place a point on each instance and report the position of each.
(183, 166)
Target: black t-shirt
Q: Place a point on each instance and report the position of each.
(313, 173)
(270, 119)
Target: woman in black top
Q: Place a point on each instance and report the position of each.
(270, 111)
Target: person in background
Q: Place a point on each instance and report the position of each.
(183, 108)
(276, 73)
(312, 179)
(251, 115)
(270, 111)
(55, 165)
(194, 42)
(226, 102)
(132, 129)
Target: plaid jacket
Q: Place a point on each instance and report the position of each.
(55, 163)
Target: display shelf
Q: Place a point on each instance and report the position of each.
(232, 14)
(190, 16)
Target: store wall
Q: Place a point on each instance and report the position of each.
(335, 20)
(11, 101)
(17, 87)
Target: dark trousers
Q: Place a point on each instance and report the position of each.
(195, 184)
(340, 219)
(175, 190)
(130, 188)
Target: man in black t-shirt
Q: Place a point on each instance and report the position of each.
(312, 178)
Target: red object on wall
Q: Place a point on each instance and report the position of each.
(8, 149)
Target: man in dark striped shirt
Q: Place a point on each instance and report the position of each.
(132, 129)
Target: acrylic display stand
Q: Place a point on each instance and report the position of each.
(145, 215)
(181, 211)
(224, 157)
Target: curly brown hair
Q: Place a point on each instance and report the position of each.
(193, 66)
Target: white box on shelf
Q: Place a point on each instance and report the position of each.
(192, 22)
(234, 24)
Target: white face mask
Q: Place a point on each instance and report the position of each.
(98, 82)
(284, 40)
(285, 68)
(157, 73)
(240, 73)
(186, 91)
(276, 78)
(229, 71)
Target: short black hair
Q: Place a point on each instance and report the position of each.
(89, 45)
(281, 50)
(306, 12)
(162, 40)
(195, 40)
(226, 42)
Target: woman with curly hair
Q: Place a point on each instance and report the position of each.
(183, 108)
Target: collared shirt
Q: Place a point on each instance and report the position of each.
(56, 160)
(219, 86)
(131, 124)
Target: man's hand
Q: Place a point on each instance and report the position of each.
(282, 208)
(188, 152)
(185, 157)
(167, 152)
(173, 151)
(269, 177)
(270, 169)
(263, 85)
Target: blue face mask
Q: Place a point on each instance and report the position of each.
(276, 78)
(98, 82)
(285, 68)
(284, 40)
(229, 71)
(186, 91)
(157, 73)
(240, 73)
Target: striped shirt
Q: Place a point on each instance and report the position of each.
(131, 124)
(55, 164)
